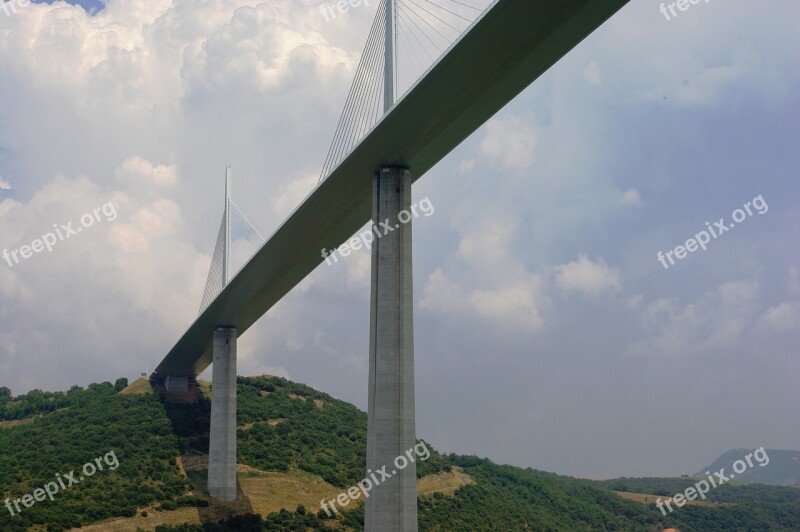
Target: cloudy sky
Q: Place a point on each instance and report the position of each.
(548, 333)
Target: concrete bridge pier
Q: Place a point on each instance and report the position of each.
(391, 426)
(222, 435)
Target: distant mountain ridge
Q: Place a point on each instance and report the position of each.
(781, 469)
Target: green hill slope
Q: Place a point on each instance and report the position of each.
(293, 440)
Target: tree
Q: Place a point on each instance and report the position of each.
(121, 384)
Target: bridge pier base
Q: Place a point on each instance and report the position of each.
(391, 425)
(222, 435)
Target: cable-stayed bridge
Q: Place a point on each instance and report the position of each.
(478, 59)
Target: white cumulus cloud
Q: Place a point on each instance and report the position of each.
(586, 276)
(510, 141)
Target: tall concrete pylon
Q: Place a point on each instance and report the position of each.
(391, 421)
(222, 433)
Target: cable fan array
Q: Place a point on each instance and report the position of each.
(245, 240)
(425, 30)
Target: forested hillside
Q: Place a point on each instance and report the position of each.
(290, 428)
